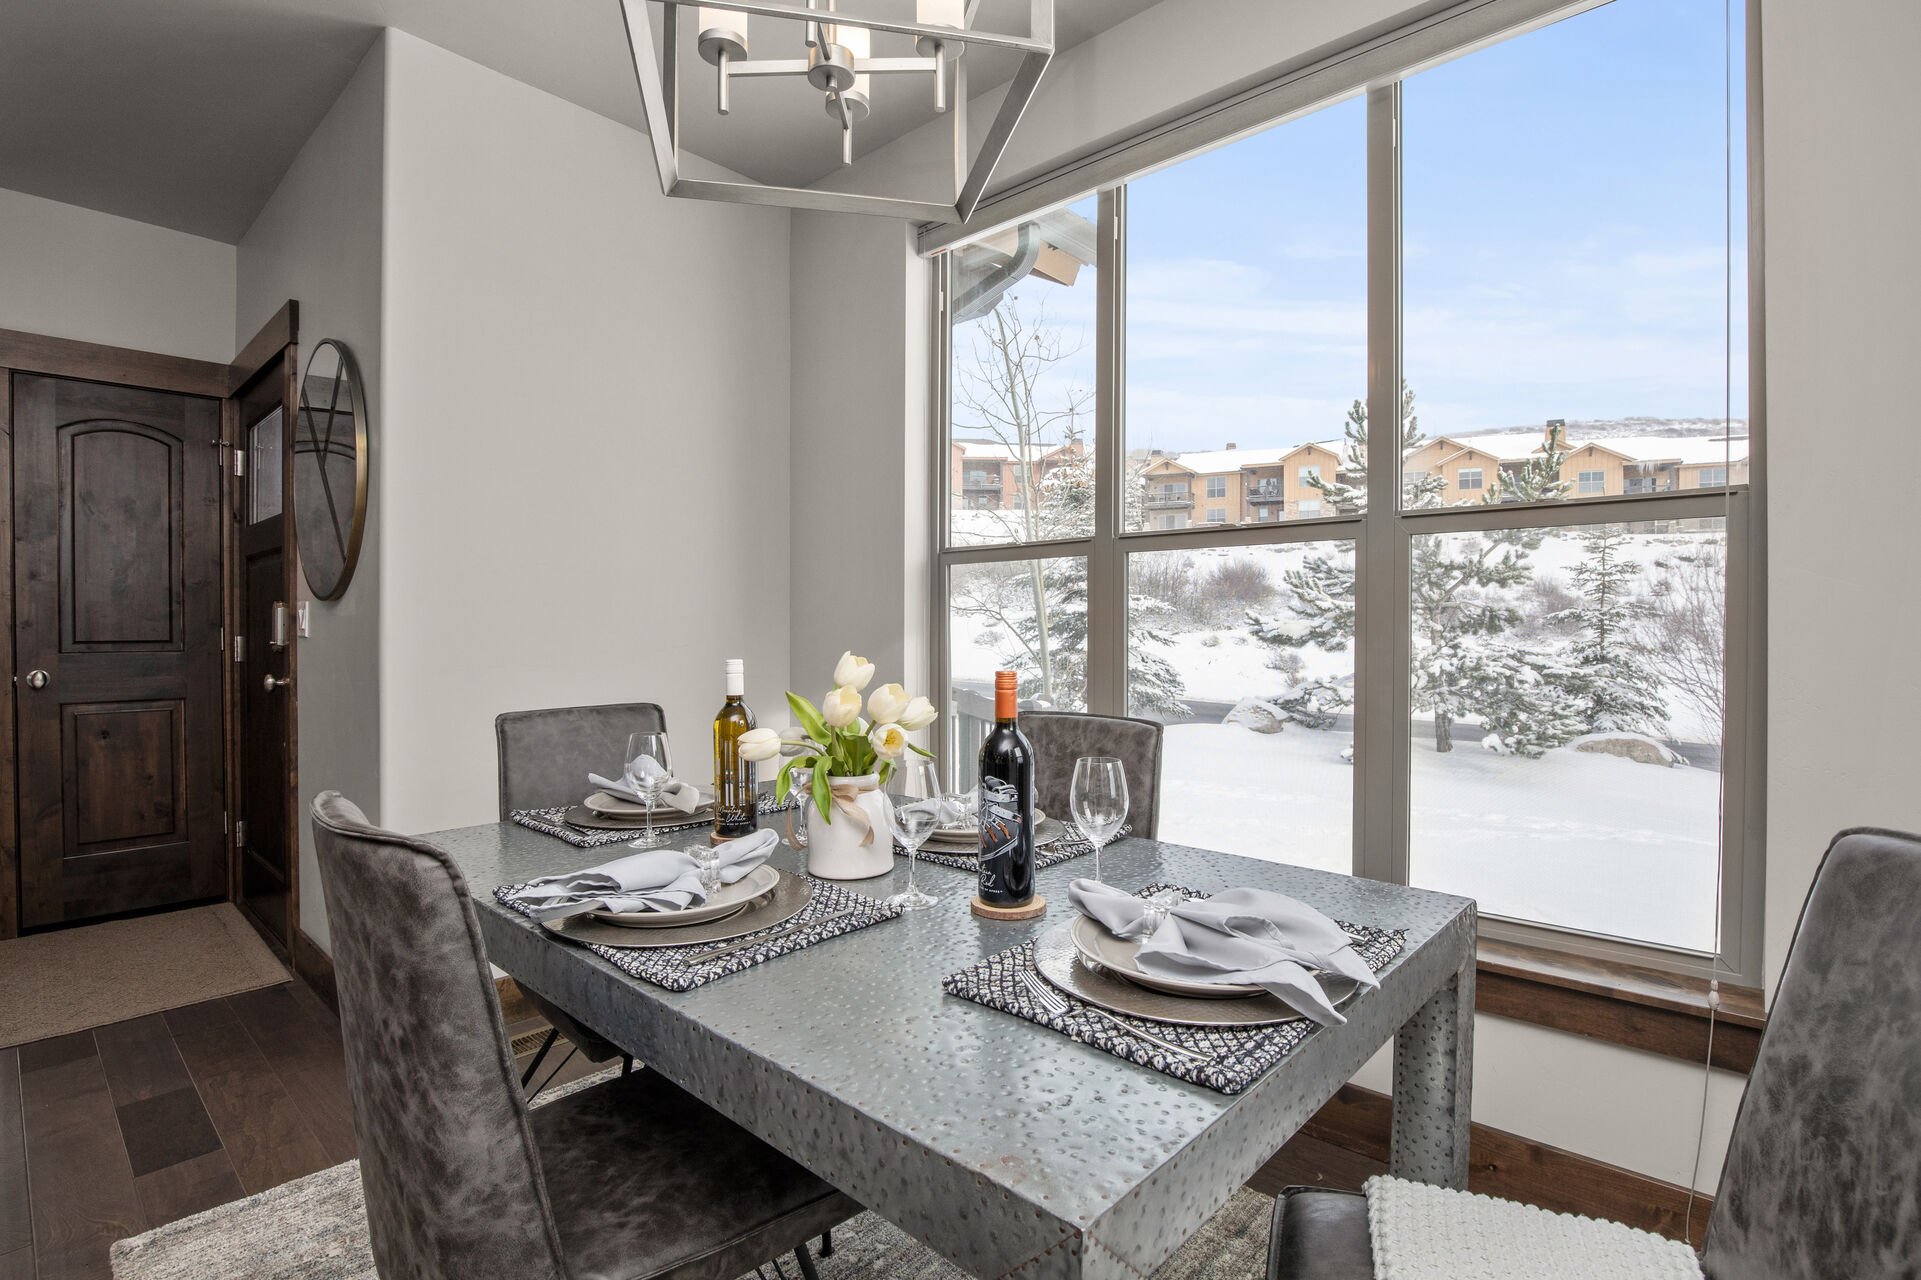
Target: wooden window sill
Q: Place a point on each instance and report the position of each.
(1624, 1004)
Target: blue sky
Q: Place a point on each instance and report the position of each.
(1565, 251)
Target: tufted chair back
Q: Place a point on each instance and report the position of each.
(1823, 1176)
(1062, 737)
(447, 1160)
(545, 755)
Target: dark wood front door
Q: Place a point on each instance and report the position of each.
(264, 704)
(117, 648)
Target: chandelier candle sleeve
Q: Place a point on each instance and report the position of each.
(723, 42)
(940, 13)
(1006, 803)
(735, 811)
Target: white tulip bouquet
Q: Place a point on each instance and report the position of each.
(834, 740)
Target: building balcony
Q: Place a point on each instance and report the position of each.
(1157, 501)
(981, 484)
(1266, 493)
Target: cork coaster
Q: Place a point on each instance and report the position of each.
(1026, 911)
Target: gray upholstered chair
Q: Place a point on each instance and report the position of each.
(628, 1179)
(544, 758)
(1062, 737)
(1823, 1175)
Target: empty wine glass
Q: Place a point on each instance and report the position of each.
(802, 781)
(1098, 798)
(649, 768)
(914, 809)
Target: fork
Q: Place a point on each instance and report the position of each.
(1055, 1004)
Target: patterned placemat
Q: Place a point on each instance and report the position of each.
(549, 822)
(1225, 1059)
(832, 912)
(1069, 846)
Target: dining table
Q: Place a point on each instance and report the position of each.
(1006, 1147)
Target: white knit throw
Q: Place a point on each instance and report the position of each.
(1421, 1232)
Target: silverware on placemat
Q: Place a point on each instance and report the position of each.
(1056, 1004)
(798, 926)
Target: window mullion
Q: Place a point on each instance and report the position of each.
(1106, 563)
(1381, 629)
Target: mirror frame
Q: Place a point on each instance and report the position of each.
(350, 557)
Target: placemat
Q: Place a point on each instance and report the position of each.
(670, 967)
(1235, 1057)
(1062, 850)
(548, 823)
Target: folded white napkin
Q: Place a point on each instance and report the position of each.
(1251, 937)
(653, 880)
(684, 796)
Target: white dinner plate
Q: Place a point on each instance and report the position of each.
(728, 899)
(1117, 955)
(610, 805)
(1046, 832)
(971, 829)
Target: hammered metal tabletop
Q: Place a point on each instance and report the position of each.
(1007, 1147)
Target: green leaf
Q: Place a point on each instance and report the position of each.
(808, 718)
(784, 781)
(886, 772)
(920, 751)
(822, 795)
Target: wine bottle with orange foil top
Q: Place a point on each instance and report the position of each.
(1006, 803)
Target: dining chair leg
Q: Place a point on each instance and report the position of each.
(806, 1263)
(539, 1054)
(827, 1243)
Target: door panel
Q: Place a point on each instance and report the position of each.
(264, 714)
(117, 648)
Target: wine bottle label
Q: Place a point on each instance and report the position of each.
(1007, 847)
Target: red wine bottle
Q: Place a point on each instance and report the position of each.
(1006, 804)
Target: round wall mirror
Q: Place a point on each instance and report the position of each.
(330, 469)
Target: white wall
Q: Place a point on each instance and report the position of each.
(317, 240)
(586, 433)
(859, 552)
(73, 273)
(1844, 266)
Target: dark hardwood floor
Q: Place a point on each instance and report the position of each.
(107, 1133)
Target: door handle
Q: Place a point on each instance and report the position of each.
(271, 683)
(36, 679)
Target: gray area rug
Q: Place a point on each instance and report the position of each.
(315, 1228)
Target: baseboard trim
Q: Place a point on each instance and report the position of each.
(1516, 1168)
(315, 968)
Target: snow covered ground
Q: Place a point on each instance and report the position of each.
(1588, 841)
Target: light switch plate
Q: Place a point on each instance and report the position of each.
(303, 619)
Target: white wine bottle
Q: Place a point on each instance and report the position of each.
(736, 808)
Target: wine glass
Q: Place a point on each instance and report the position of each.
(649, 768)
(914, 808)
(801, 785)
(1098, 798)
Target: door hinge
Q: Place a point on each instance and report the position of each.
(223, 639)
(239, 463)
(240, 648)
(240, 834)
(226, 822)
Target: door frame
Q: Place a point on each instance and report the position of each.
(278, 340)
(35, 353)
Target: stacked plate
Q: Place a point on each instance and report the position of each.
(1089, 963)
(759, 899)
(603, 811)
(964, 839)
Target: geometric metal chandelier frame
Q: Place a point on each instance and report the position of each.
(660, 87)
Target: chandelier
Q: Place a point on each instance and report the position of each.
(840, 64)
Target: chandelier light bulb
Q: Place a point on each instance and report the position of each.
(722, 41)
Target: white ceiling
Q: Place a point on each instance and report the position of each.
(185, 113)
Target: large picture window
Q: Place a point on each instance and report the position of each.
(1398, 459)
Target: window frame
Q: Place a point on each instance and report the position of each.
(1382, 538)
